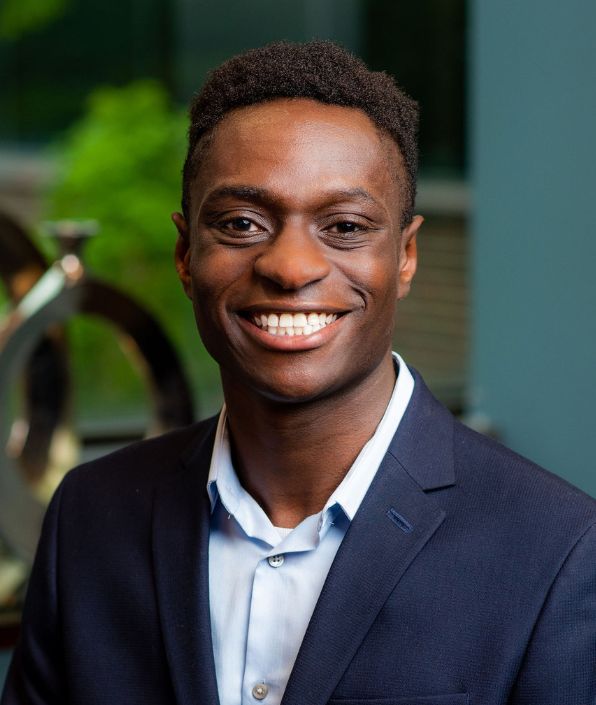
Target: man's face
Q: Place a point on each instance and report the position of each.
(295, 216)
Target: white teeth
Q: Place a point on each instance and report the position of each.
(286, 320)
(293, 323)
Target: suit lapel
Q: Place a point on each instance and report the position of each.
(180, 554)
(394, 522)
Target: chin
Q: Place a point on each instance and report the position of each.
(297, 394)
(297, 391)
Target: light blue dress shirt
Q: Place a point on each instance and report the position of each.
(264, 581)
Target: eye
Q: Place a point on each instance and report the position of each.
(243, 225)
(346, 231)
(240, 229)
(345, 227)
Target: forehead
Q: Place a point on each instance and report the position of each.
(300, 143)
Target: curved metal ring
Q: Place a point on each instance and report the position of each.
(46, 379)
(53, 300)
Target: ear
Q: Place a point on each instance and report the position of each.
(182, 252)
(408, 256)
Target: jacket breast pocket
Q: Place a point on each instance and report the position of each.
(453, 699)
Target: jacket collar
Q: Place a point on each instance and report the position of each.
(423, 444)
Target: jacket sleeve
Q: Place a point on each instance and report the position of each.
(36, 673)
(560, 663)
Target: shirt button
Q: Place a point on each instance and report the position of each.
(259, 692)
(275, 562)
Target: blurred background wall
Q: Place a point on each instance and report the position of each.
(533, 230)
(501, 318)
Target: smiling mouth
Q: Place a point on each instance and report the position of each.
(292, 324)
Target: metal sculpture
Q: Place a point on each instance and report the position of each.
(32, 347)
(46, 378)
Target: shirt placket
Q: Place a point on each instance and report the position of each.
(266, 632)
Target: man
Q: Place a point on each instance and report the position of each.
(334, 535)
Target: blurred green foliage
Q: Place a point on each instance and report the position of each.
(17, 17)
(121, 165)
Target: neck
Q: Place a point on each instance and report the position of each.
(290, 457)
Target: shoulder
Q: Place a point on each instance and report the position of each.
(141, 466)
(105, 507)
(494, 473)
(487, 490)
(521, 518)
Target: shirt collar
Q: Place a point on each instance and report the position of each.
(350, 492)
(222, 477)
(223, 482)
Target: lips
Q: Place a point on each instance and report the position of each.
(292, 324)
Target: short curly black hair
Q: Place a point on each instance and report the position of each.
(320, 70)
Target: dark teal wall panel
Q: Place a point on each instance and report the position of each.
(533, 114)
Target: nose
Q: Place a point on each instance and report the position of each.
(293, 259)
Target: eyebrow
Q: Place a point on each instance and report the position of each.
(353, 194)
(247, 193)
(255, 193)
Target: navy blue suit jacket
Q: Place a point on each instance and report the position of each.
(467, 576)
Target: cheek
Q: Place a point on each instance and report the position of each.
(376, 278)
(207, 283)
(219, 277)
(206, 277)
(212, 269)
